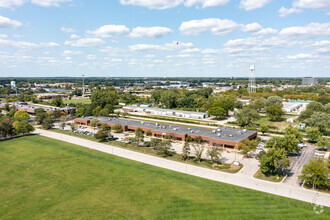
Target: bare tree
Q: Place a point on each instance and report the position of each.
(214, 152)
(198, 151)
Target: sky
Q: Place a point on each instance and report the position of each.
(164, 38)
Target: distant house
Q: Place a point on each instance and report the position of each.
(291, 120)
(301, 126)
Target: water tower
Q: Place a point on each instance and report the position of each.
(252, 80)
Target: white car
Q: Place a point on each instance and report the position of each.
(301, 145)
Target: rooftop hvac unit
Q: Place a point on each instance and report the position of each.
(157, 124)
(219, 135)
(244, 130)
(192, 131)
(142, 122)
(188, 128)
(230, 135)
(218, 130)
(214, 131)
(174, 129)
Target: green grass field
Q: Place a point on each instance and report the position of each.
(42, 178)
(77, 101)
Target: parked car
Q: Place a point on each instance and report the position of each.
(261, 146)
(301, 145)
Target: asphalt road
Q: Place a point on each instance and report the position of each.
(297, 164)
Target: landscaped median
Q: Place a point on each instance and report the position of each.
(229, 168)
(273, 178)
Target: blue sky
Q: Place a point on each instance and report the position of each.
(170, 38)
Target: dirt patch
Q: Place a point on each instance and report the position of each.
(215, 165)
(234, 167)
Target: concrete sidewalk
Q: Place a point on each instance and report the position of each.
(238, 179)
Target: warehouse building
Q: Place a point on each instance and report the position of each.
(170, 112)
(222, 137)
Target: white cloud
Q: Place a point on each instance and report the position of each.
(8, 23)
(253, 27)
(85, 42)
(165, 4)
(192, 50)
(49, 3)
(215, 25)
(266, 31)
(68, 30)
(309, 31)
(283, 12)
(108, 31)
(49, 44)
(301, 56)
(174, 46)
(153, 32)
(312, 4)
(70, 53)
(25, 45)
(3, 36)
(205, 3)
(74, 36)
(91, 57)
(11, 3)
(153, 4)
(253, 4)
(210, 51)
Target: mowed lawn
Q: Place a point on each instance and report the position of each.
(42, 178)
(77, 101)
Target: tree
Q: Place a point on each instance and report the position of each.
(21, 115)
(198, 152)
(218, 112)
(313, 135)
(274, 112)
(214, 152)
(139, 135)
(238, 105)
(57, 114)
(319, 120)
(40, 115)
(48, 123)
(11, 112)
(291, 130)
(6, 128)
(22, 127)
(58, 102)
(94, 123)
(148, 133)
(274, 100)
(315, 107)
(154, 142)
(323, 142)
(274, 161)
(247, 146)
(107, 97)
(164, 147)
(247, 117)
(315, 174)
(73, 127)
(288, 143)
(185, 151)
(117, 128)
(264, 128)
(101, 136)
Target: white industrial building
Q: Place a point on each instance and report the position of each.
(291, 106)
(170, 112)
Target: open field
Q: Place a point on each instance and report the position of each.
(42, 178)
(77, 101)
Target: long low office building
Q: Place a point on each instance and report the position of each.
(22, 106)
(223, 137)
(160, 111)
